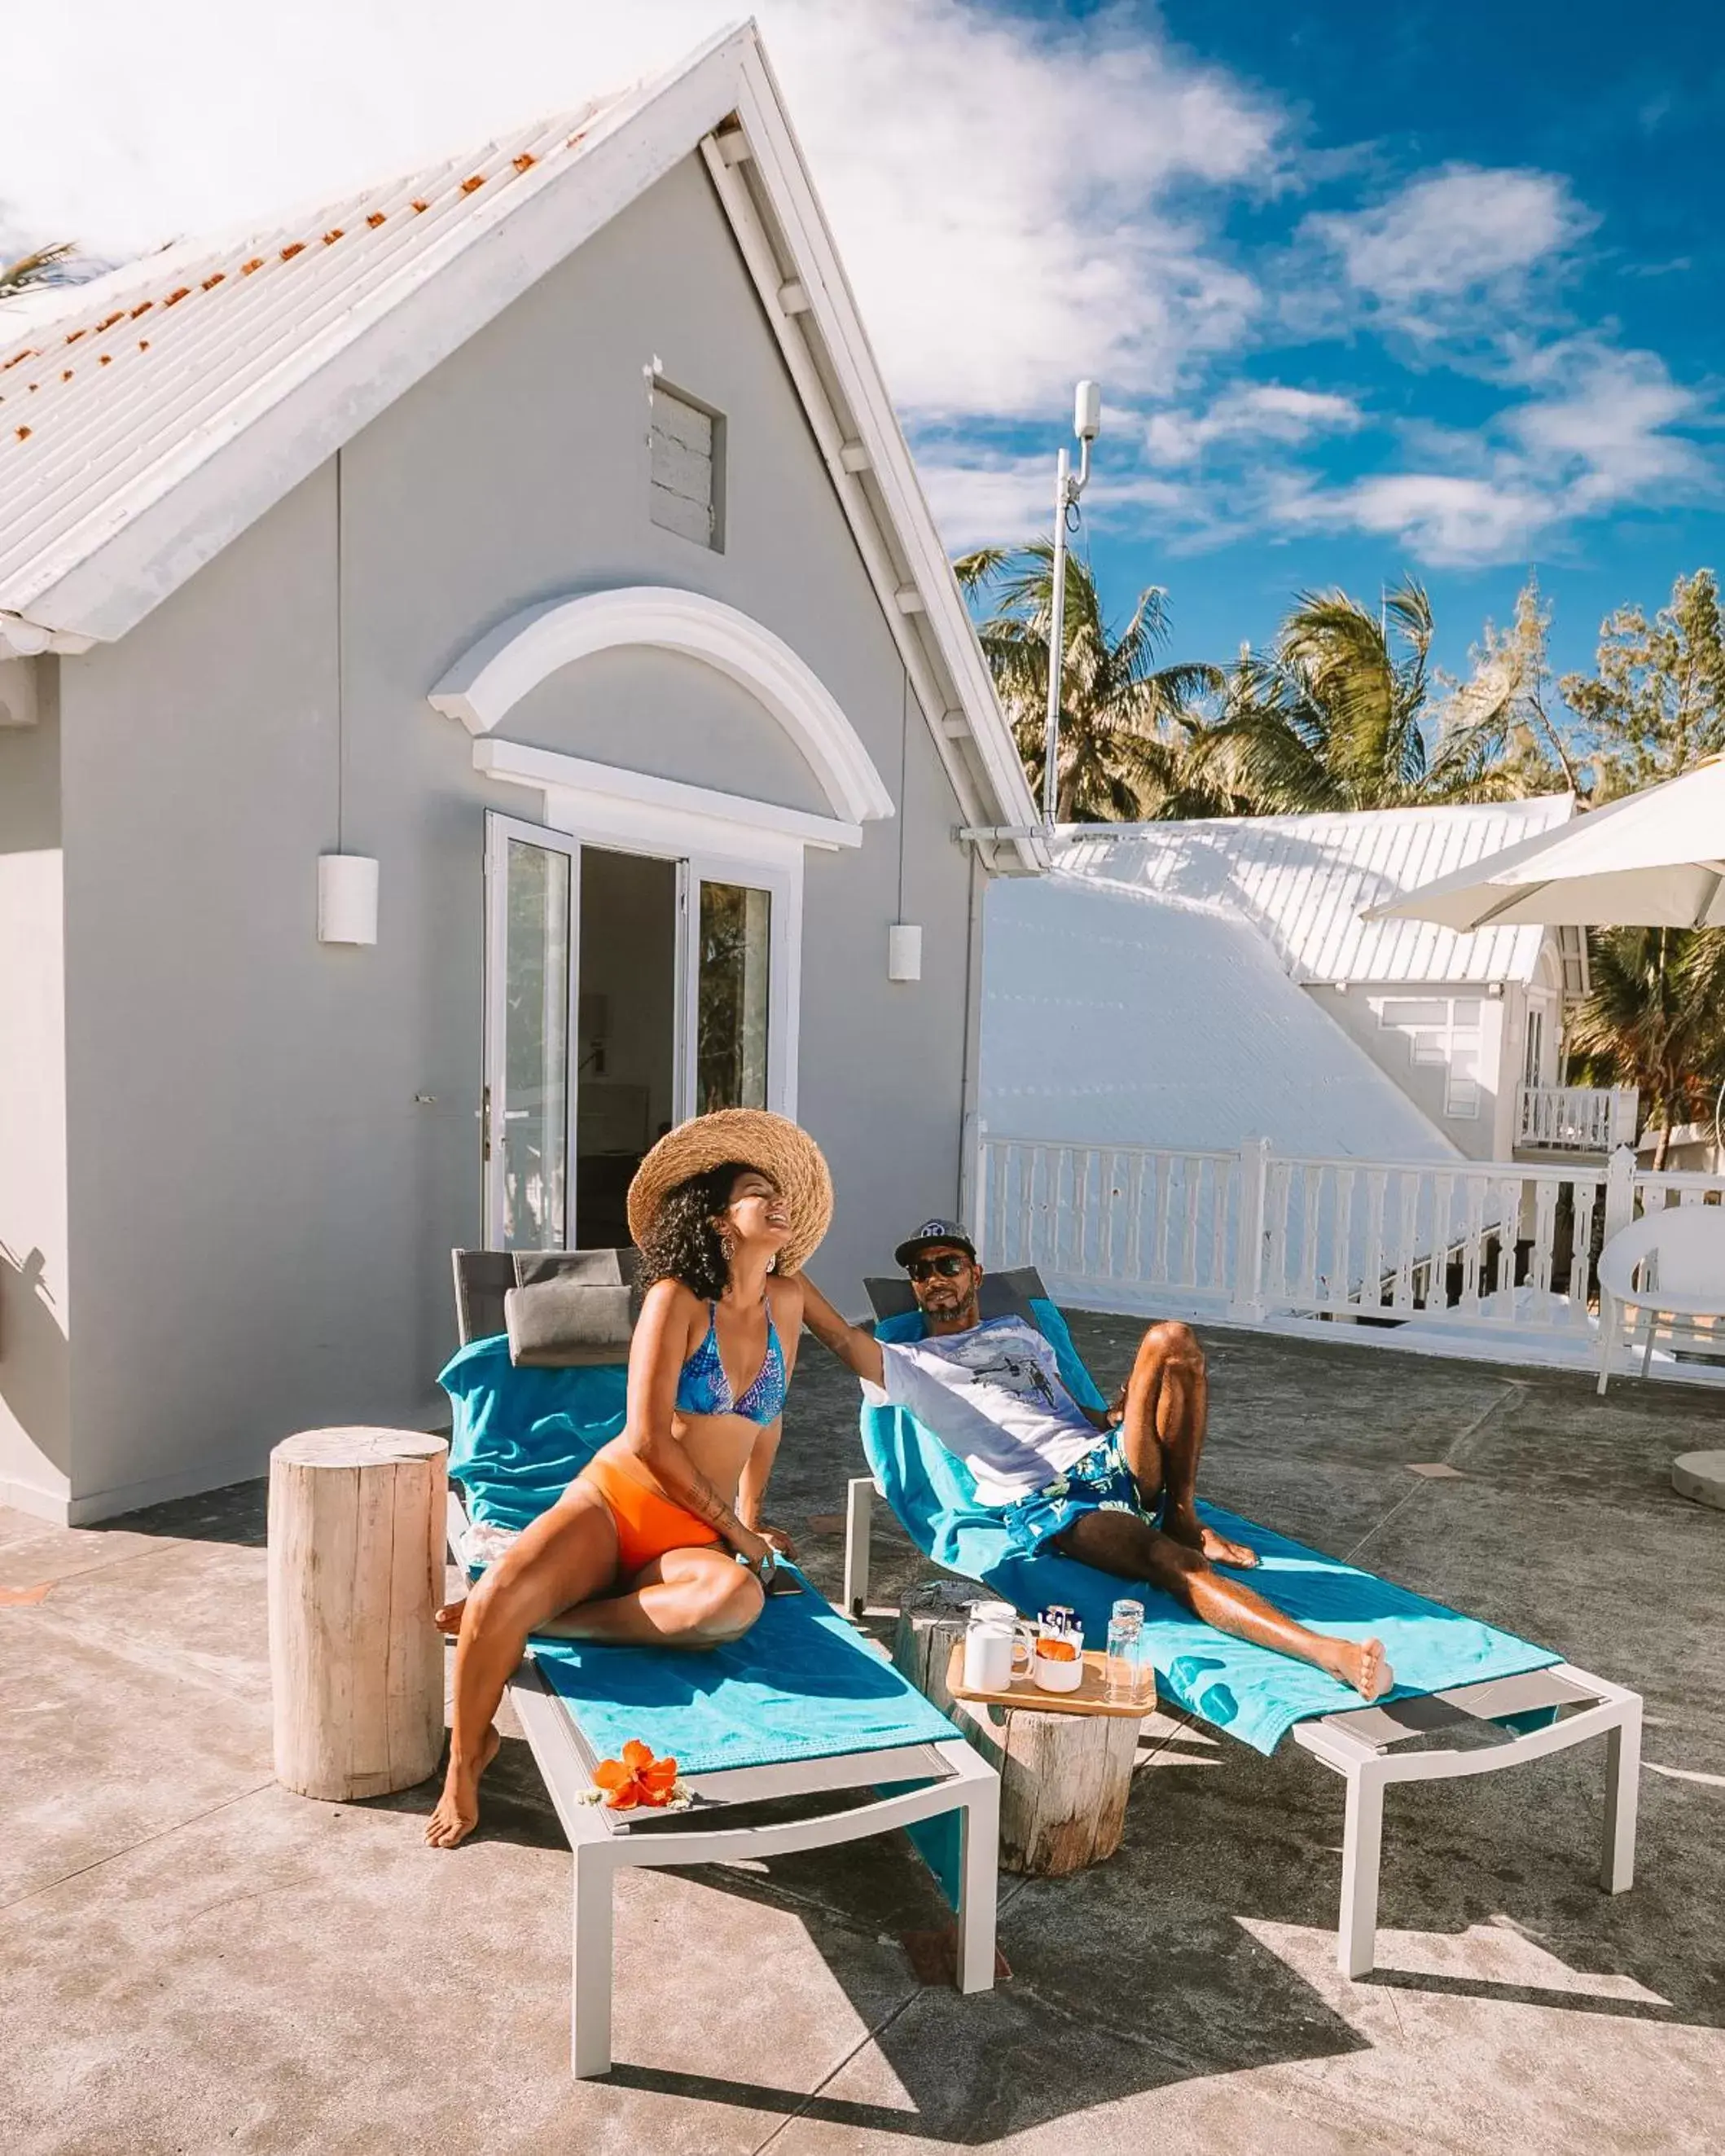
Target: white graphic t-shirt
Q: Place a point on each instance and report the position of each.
(993, 1396)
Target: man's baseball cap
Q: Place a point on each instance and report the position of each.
(930, 1233)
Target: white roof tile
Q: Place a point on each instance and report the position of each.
(140, 371)
(1305, 880)
(1114, 1017)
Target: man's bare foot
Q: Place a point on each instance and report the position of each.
(448, 1619)
(1361, 1663)
(1188, 1528)
(457, 1813)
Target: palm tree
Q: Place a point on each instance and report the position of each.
(37, 268)
(1132, 745)
(1334, 716)
(1655, 1018)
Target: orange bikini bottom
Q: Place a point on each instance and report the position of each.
(648, 1523)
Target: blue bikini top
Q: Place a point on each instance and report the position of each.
(704, 1388)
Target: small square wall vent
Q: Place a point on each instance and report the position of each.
(687, 494)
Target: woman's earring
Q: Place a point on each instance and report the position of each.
(772, 1263)
(728, 1247)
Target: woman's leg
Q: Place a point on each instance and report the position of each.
(687, 1597)
(567, 1555)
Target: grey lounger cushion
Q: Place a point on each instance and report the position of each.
(562, 1323)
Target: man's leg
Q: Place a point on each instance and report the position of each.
(1167, 1413)
(1132, 1548)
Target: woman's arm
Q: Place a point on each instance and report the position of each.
(859, 1351)
(757, 1471)
(656, 1357)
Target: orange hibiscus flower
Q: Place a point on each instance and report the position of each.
(637, 1778)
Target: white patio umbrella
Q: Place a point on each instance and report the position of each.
(1655, 859)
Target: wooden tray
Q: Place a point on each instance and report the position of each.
(1091, 1696)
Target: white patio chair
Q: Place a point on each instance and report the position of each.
(1670, 1263)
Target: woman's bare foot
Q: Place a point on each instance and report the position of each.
(1361, 1663)
(1188, 1528)
(457, 1813)
(448, 1619)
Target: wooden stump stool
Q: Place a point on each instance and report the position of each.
(356, 1520)
(1065, 1777)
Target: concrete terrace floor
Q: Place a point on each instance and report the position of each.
(192, 1959)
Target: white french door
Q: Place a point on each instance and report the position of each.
(605, 1023)
(527, 1105)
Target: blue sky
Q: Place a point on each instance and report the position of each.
(1488, 236)
(1480, 328)
(1424, 289)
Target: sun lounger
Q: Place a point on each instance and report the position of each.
(1468, 1699)
(800, 1709)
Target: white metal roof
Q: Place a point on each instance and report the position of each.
(1305, 880)
(1115, 1017)
(137, 377)
(161, 409)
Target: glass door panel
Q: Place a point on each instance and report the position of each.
(732, 997)
(530, 946)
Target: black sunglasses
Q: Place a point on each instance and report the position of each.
(949, 1265)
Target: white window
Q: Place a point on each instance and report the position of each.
(686, 485)
(1442, 1032)
(1533, 1063)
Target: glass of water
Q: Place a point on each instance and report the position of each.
(1128, 1665)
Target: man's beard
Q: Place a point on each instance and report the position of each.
(969, 1311)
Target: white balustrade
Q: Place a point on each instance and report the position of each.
(1577, 1118)
(1401, 1252)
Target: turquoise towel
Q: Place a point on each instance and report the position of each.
(1254, 1694)
(520, 1437)
(798, 1685)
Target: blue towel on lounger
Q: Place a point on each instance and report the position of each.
(798, 1685)
(520, 1437)
(1254, 1694)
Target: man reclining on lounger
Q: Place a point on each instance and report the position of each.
(1123, 1501)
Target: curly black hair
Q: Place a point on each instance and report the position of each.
(682, 1243)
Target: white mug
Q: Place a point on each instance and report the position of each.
(993, 1639)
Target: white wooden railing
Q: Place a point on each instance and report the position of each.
(1577, 1118)
(1409, 1252)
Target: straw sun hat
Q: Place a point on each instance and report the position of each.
(771, 1143)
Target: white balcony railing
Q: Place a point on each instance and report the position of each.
(1482, 1257)
(1577, 1118)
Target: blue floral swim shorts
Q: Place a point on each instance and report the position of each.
(1099, 1481)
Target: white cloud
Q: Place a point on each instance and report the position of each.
(1602, 427)
(1000, 186)
(1267, 412)
(1454, 234)
(979, 500)
(1441, 517)
(1595, 437)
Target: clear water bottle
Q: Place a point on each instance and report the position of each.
(1127, 1667)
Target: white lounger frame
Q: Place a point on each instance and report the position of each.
(958, 1780)
(1371, 1746)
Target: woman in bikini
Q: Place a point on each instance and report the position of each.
(659, 1542)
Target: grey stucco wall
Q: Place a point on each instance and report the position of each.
(261, 1210)
(35, 1415)
(1483, 1137)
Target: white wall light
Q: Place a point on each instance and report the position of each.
(904, 951)
(347, 898)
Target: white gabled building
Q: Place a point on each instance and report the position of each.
(479, 682)
(1238, 992)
